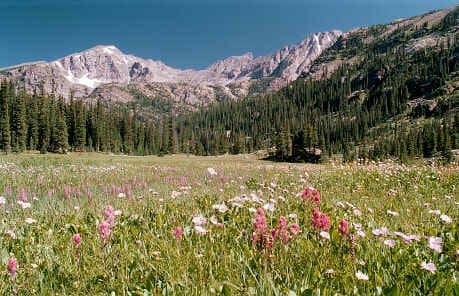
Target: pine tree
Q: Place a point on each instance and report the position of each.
(60, 135)
(19, 125)
(5, 136)
(79, 118)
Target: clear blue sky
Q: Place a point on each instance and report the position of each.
(182, 33)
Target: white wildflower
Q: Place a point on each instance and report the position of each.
(221, 208)
(361, 276)
(325, 235)
(212, 171)
(30, 220)
(435, 243)
(445, 218)
(200, 230)
(199, 220)
(429, 266)
(390, 243)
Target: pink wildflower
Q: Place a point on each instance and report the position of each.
(12, 266)
(76, 238)
(295, 229)
(23, 195)
(261, 236)
(312, 194)
(104, 230)
(343, 227)
(320, 220)
(178, 233)
(109, 215)
(281, 231)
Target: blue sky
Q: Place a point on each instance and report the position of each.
(182, 33)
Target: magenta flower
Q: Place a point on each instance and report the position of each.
(109, 215)
(261, 236)
(281, 231)
(104, 230)
(12, 266)
(343, 227)
(178, 233)
(22, 195)
(76, 238)
(311, 194)
(295, 229)
(320, 220)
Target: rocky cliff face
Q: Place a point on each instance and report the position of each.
(106, 72)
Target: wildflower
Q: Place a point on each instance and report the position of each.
(320, 220)
(310, 193)
(2, 200)
(30, 221)
(22, 195)
(293, 216)
(178, 233)
(221, 208)
(214, 220)
(281, 230)
(109, 215)
(295, 229)
(352, 244)
(199, 220)
(76, 239)
(12, 266)
(343, 227)
(104, 230)
(390, 243)
(260, 236)
(11, 234)
(380, 231)
(392, 213)
(199, 229)
(325, 235)
(24, 205)
(446, 219)
(361, 276)
(330, 271)
(361, 233)
(175, 194)
(435, 212)
(212, 171)
(435, 243)
(357, 212)
(269, 207)
(121, 195)
(429, 266)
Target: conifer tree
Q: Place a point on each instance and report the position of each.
(5, 136)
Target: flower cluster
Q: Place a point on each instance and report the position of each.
(105, 227)
(320, 220)
(312, 194)
(264, 238)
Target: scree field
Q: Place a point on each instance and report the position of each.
(94, 224)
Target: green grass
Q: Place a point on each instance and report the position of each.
(142, 257)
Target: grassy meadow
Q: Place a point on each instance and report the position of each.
(95, 224)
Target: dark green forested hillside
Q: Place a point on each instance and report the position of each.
(393, 101)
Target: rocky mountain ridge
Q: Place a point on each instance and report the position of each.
(106, 72)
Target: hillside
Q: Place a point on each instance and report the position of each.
(387, 90)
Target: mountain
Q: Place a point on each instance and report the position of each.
(384, 91)
(106, 72)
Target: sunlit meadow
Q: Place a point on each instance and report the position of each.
(98, 224)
